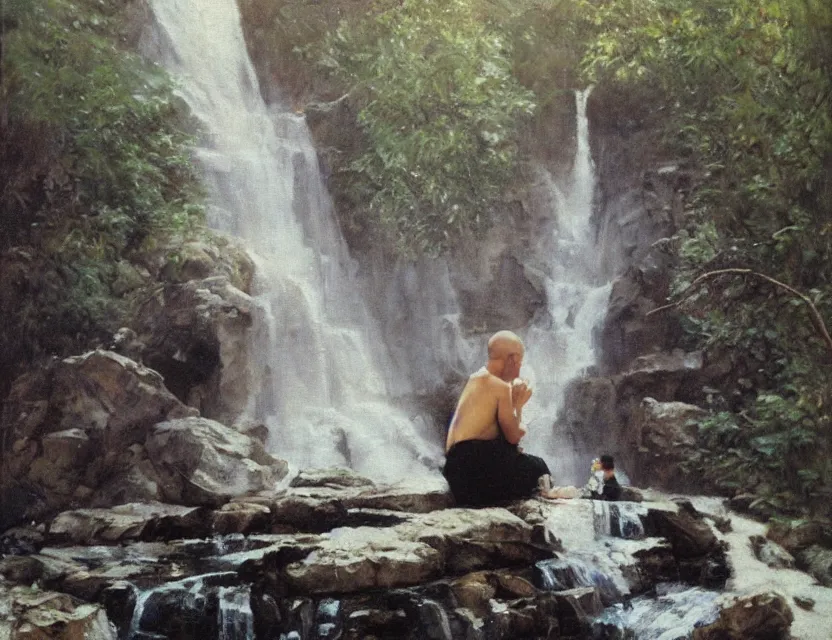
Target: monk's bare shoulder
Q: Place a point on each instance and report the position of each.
(495, 384)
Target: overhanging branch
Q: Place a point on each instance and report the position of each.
(817, 319)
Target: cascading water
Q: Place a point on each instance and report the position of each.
(569, 573)
(236, 620)
(560, 344)
(673, 614)
(320, 378)
(620, 519)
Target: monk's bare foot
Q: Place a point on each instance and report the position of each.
(557, 493)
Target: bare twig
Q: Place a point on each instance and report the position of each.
(817, 319)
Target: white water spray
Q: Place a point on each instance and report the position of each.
(560, 345)
(318, 375)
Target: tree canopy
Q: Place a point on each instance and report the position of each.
(747, 91)
(95, 165)
(440, 108)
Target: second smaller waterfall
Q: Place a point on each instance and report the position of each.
(560, 344)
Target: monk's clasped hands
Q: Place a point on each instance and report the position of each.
(521, 392)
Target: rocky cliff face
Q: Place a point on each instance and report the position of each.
(439, 313)
(640, 204)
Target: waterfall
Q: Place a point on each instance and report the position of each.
(619, 519)
(560, 344)
(321, 374)
(236, 620)
(569, 573)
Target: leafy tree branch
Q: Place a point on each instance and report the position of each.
(817, 318)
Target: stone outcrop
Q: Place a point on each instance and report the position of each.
(797, 535)
(764, 616)
(70, 424)
(628, 331)
(664, 435)
(770, 553)
(31, 614)
(649, 435)
(195, 334)
(100, 429)
(808, 543)
(203, 462)
(817, 561)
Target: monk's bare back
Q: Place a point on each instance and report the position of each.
(487, 405)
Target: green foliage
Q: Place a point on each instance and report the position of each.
(440, 109)
(389, 56)
(277, 31)
(771, 447)
(550, 38)
(747, 92)
(95, 165)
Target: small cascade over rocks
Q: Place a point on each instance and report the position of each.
(341, 557)
(319, 375)
(619, 519)
(236, 620)
(673, 612)
(201, 606)
(570, 572)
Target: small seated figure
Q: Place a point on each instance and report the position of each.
(603, 485)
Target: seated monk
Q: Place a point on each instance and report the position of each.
(484, 464)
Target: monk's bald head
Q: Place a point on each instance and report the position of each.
(503, 344)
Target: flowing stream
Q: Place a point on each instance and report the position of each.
(322, 376)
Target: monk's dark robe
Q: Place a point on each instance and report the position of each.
(486, 472)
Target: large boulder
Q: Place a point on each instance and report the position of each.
(30, 614)
(797, 535)
(203, 462)
(619, 414)
(664, 436)
(770, 553)
(690, 537)
(763, 616)
(195, 334)
(817, 561)
(99, 396)
(70, 425)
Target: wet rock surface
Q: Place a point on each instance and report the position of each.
(203, 462)
(817, 561)
(771, 553)
(101, 429)
(194, 332)
(764, 616)
(30, 614)
(412, 568)
(71, 424)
